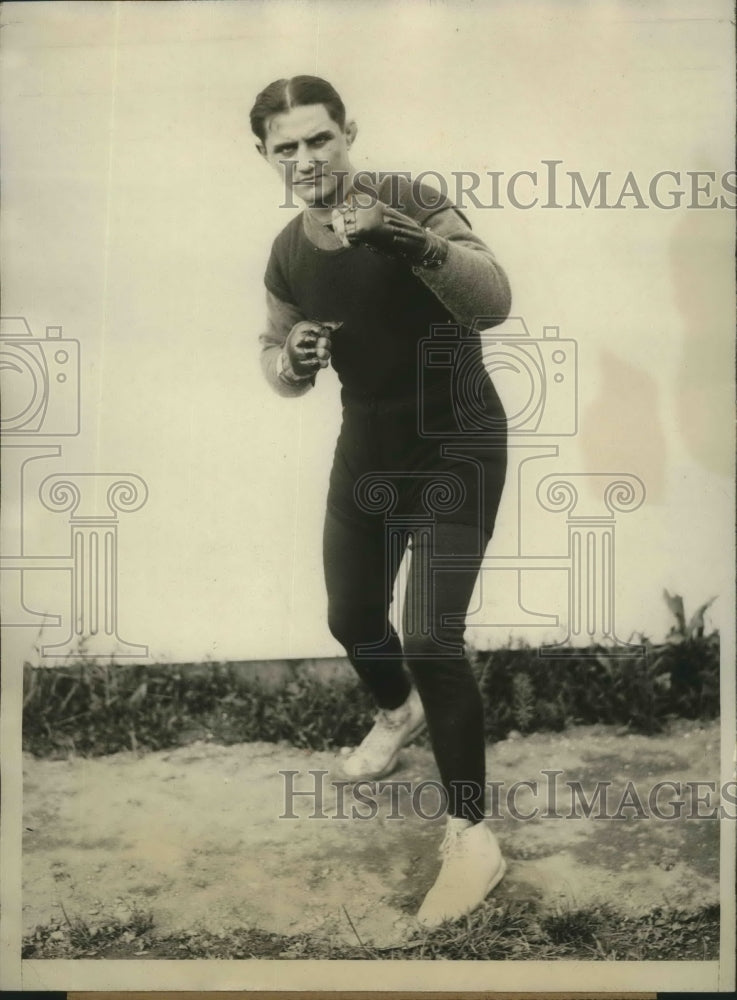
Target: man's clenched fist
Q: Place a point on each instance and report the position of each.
(382, 228)
(308, 346)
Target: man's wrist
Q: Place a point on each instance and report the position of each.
(434, 253)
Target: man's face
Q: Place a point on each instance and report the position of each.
(310, 151)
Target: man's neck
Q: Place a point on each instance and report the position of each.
(320, 214)
(323, 214)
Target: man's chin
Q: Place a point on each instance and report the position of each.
(315, 195)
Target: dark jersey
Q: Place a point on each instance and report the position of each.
(385, 309)
(401, 415)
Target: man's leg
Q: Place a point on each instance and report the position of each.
(359, 575)
(360, 571)
(472, 861)
(444, 679)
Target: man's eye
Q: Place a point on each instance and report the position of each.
(319, 141)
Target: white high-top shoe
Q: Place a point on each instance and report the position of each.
(377, 755)
(472, 866)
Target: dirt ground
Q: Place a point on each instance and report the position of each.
(198, 835)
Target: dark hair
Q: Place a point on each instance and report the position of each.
(281, 95)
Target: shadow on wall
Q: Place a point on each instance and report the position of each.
(622, 429)
(702, 268)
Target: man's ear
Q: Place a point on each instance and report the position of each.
(261, 148)
(351, 131)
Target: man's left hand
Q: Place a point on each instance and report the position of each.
(385, 230)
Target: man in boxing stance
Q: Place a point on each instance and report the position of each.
(358, 279)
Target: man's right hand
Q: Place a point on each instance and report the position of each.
(308, 347)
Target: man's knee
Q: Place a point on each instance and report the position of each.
(353, 624)
(341, 623)
(434, 643)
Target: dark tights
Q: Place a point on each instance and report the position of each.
(361, 564)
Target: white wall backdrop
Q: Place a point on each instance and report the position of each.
(138, 217)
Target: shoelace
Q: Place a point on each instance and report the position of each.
(383, 716)
(382, 721)
(452, 833)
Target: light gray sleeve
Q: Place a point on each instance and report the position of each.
(280, 318)
(470, 283)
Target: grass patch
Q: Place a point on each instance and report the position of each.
(528, 692)
(79, 938)
(90, 710)
(513, 931)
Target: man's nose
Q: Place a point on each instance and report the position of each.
(305, 160)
